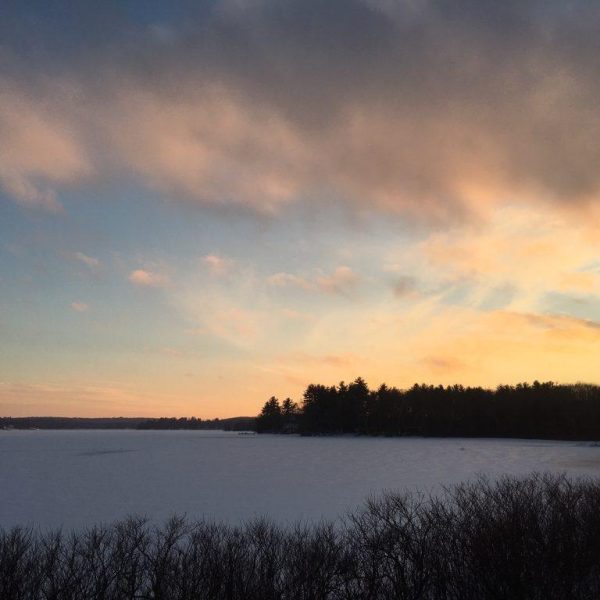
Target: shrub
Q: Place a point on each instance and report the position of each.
(517, 538)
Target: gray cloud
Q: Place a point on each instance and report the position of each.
(435, 108)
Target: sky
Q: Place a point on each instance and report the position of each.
(203, 204)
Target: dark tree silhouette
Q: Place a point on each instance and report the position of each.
(539, 410)
(289, 416)
(270, 418)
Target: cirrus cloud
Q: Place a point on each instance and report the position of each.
(145, 278)
(88, 261)
(341, 280)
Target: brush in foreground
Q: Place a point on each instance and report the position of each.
(535, 538)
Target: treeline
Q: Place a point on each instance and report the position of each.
(538, 410)
(230, 424)
(536, 538)
(69, 422)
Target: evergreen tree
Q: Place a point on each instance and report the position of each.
(539, 410)
(270, 418)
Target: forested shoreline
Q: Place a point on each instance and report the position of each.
(161, 423)
(536, 538)
(174, 423)
(538, 410)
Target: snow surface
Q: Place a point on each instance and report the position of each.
(77, 478)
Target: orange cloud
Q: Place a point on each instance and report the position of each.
(504, 346)
(342, 280)
(39, 147)
(144, 278)
(535, 252)
(209, 147)
(511, 346)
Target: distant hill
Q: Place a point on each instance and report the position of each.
(230, 424)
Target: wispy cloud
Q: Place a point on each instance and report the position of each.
(235, 324)
(534, 253)
(341, 280)
(145, 278)
(239, 327)
(79, 306)
(218, 265)
(89, 261)
(283, 279)
(72, 399)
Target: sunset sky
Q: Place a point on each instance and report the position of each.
(206, 203)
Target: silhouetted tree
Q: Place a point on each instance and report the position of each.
(270, 418)
(289, 416)
(540, 410)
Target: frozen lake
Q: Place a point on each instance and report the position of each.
(75, 478)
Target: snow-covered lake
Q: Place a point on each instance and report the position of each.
(77, 478)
